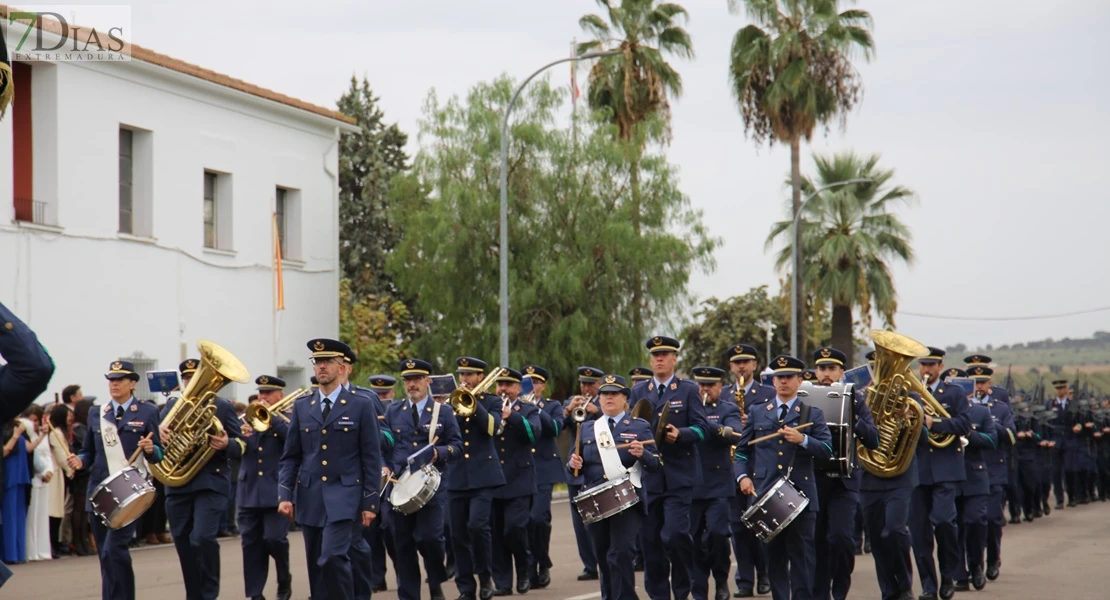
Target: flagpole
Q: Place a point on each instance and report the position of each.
(274, 283)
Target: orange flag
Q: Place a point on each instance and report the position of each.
(280, 283)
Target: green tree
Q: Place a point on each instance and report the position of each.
(719, 324)
(368, 161)
(573, 251)
(378, 329)
(634, 85)
(791, 70)
(850, 238)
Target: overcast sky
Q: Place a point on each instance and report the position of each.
(994, 111)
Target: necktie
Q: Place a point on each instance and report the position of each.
(119, 414)
(661, 391)
(327, 408)
(612, 425)
(782, 412)
(415, 416)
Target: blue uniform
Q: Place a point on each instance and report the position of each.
(792, 550)
(751, 554)
(471, 481)
(117, 579)
(709, 511)
(368, 569)
(999, 465)
(1061, 453)
(421, 532)
(581, 536)
(933, 505)
(330, 471)
(549, 471)
(670, 491)
(196, 508)
(512, 502)
(840, 499)
(264, 533)
(975, 492)
(28, 367)
(613, 538)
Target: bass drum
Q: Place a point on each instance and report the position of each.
(837, 401)
(122, 498)
(776, 510)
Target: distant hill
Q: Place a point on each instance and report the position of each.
(1050, 359)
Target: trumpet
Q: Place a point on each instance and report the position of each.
(465, 401)
(259, 414)
(739, 393)
(579, 413)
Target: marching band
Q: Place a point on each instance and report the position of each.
(672, 474)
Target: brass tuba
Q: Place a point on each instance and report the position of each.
(193, 416)
(465, 401)
(898, 418)
(259, 414)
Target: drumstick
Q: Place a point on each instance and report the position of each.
(629, 444)
(776, 434)
(139, 449)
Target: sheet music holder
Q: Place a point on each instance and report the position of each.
(162, 381)
(443, 385)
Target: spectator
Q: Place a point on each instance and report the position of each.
(61, 499)
(42, 473)
(83, 544)
(17, 482)
(71, 395)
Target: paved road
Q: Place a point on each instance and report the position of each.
(1068, 552)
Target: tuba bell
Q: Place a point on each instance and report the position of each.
(259, 414)
(193, 417)
(897, 416)
(465, 401)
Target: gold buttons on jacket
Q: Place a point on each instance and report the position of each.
(466, 456)
(260, 473)
(324, 478)
(324, 462)
(324, 447)
(324, 431)
(780, 467)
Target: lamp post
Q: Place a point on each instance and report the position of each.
(769, 329)
(796, 257)
(504, 249)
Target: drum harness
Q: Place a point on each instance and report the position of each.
(610, 456)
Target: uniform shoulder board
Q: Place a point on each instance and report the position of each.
(636, 419)
(689, 382)
(626, 422)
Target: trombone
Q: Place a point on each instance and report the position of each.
(259, 414)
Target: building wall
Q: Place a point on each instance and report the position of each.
(94, 295)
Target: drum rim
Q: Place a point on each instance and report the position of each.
(586, 493)
(431, 474)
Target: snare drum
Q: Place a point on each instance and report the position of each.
(414, 489)
(122, 498)
(605, 500)
(837, 401)
(775, 510)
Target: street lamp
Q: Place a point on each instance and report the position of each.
(796, 257)
(504, 250)
(769, 329)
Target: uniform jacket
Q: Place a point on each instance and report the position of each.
(998, 460)
(216, 473)
(681, 466)
(715, 453)
(766, 461)
(258, 471)
(28, 367)
(983, 438)
(549, 466)
(139, 419)
(757, 394)
(626, 429)
(479, 467)
(938, 465)
(331, 469)
(409, 439)
(514, 447)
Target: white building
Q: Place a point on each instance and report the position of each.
(136, 203)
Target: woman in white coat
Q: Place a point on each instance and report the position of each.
(38, 512)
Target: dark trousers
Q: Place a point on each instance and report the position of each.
(933, 514)
(709, 520)
(327, 552)
(790, 559)
(996, 519)
(1058, 476)
(834, 539)
(510, 519)
(381, 544)
(613, 539)
(972, 533)
(751, 554)
(472, 538)
(1030, 490)
(668, 527)
(1012, 495)
(419, 533)
(117, 579)
(264, 534)
(886, 516)
(859, 528)
(194, 523)
(361, 565)
(581, 536)
(539, 528)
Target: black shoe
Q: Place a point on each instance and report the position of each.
(485, 591)
(523, 584)
(1029, 519)
(285, 590)
(543, 579)
(743, 593)
(978, 580)
(867, 547)
(258, 597)
(1015, 520)
(763, 587)
(381, 587)
(947, 590)
(450, 571)
(927, 596)
(435, 591)
(859, 550)
(722, 592)
(503, 592)
(963, 586)
(1059, 506)
(906, 595)
(587, 575)
(992, 571)
(465, 597)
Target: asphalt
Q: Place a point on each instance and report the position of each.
(1064, 555)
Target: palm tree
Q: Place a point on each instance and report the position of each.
(850, 237)
(635, 84)
(791, 70)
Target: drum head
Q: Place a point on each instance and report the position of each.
(407, 487)
(131, 511)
